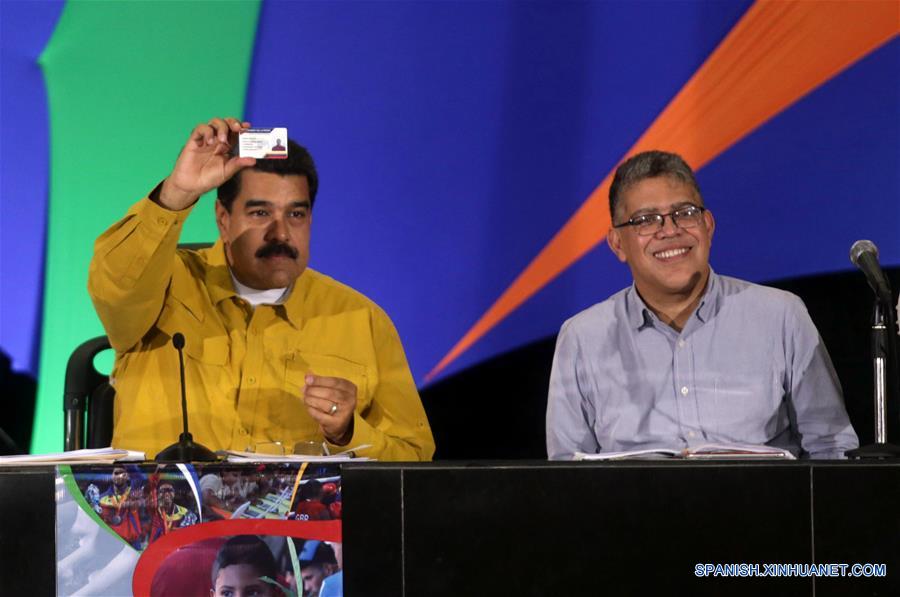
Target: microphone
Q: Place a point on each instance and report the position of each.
(864, 255)
(184, 450)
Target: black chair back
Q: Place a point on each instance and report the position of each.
(87, 390)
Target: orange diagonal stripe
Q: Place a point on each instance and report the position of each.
(778, 52)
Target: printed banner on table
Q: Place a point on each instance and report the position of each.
(151, 529)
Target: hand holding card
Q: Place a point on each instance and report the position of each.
(205, 162)
(263, 144)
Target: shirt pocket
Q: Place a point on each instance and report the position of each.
(205, 339)
(206, 351)
(299, 364)
(747, 404)
(211, 351)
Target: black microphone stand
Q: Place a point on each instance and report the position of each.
(184, 450)
(884, 364)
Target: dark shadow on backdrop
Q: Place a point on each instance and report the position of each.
(495, 410)
(18, 395)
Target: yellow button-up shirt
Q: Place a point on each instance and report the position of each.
(244, 366)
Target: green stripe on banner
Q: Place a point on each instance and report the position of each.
(126, 82)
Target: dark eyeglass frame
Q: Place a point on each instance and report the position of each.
(679, 218)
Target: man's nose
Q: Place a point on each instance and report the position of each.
(668, 227)
(278, 230)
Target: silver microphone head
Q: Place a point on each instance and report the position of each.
(860, 247)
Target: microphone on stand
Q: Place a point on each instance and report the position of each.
(184, 450)
(864, 255)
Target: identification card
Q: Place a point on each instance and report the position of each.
(263, 144)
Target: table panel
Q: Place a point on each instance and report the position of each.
(580, 530)
(539, 528)
(27, 532)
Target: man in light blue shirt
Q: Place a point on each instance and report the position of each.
(686, 357)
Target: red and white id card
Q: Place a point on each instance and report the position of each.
(263, 144)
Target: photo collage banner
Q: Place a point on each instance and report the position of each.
(269, 529)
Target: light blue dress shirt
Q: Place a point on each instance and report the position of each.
(749, 367)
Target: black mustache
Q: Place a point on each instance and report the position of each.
(277, 249)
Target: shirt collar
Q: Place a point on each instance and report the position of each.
(293, 305)
(218, 276)
(641, 316)
(709, 304)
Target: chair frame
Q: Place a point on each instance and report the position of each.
(82, 381)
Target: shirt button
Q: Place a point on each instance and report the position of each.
(244, 431)
(681, 343)
(251, 380)
(690, 434)
(684, 391)
(161, 221)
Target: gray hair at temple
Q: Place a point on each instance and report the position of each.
(649, 164)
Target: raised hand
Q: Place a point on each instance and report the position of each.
(205, 162)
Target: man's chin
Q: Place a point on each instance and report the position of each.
(269, 272)
(684, 284)
(671, 281)
(280, 278)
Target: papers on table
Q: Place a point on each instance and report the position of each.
(111, 455)
(648, 454)
(86, 456)
(704, 452)
(238, 457)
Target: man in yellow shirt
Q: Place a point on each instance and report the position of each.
(275, 352)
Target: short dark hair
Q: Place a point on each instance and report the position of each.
(649, 164)
(245, 549)
(298, 163)
(311, 490)
(322, 553)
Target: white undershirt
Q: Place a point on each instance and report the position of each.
(273, 296)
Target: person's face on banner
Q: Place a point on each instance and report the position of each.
(166, 496)
(241, 580)
(119, 477)
(312, 575)
(229, 478)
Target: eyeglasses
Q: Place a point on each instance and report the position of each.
(685, 217)
(277, 448)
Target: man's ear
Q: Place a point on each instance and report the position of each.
(223, 218)
(710, 222)
(614, 240)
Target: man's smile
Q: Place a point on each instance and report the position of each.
(671, 254)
